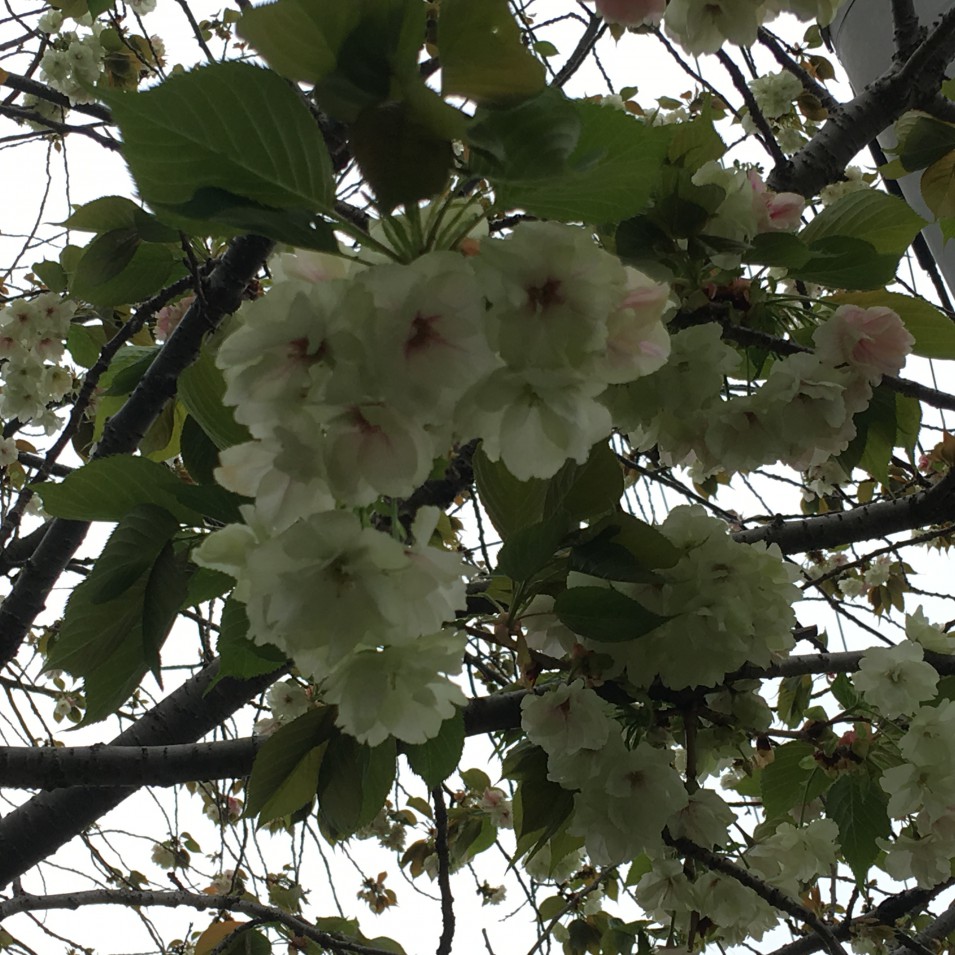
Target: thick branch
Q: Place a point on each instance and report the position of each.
(218, 903)
(796, 536)
(41, 825)
(124, 431)
(854, 125)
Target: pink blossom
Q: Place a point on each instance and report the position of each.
(874, 339)
(169, 317)
(775, 211)
(632, 13)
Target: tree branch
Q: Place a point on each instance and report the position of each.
(444, 871)
(125, 430)
(796, 536)
(908, 31)
(851, 127)
(23, 84)
(41, 825)
(769, 893)
(233, 903)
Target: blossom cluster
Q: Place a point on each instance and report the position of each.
(727, 605)
(73, 61)
(352, 386)
(801, 415)
(703, 26)
(32, 335)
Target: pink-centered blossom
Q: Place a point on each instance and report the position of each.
(873, 339)
(632, 13)
(775, 211)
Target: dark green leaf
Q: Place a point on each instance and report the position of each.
(604, 614)
(353, 784)
(401, 158)
(299, 38)
(533, 140)
(230, 126)
(201, 388)
(541, 808)
(844, 692)
(846, 262)
(162, 600)
(786, 784)
(118, 268)
(239, 656)
(482, 54)
(127, 376)
(777, 249)
(108, 642)
(206, 584)
(52, 275)
(857, 805)
(696, 142)
(529, 549)
(84, 343)
(199, 454)
(110, 213)
(583, 491)
(109, 488)
(609, 176)
(437, 758)
(225, 213)
(601, 556)
(923, 140)
(510, 504)
(286, 769)
(794, 696)
(134, 547)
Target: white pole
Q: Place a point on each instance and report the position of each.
(862, 35)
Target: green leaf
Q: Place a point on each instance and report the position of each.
(583, 491)
(777, 249)
(609, 175)
(201, 388)
(401, 158)
(111, 643)
(844, 692)
(228, 126)
(286, 769)
(162, 600)
(206, 584)
(239, 656)
(885, 222)
(857, 805)
(118, 268)
(298, 38)
(135, 546)
(353, 784)
(696, 142)
(482, 54)
(52, 275)
(530, 549)
(938, 187)
(110, 213)
(84, 342)
(510, 504)
(923, 140)
(224, 213)
(934, 332)
(604, 614)
(533, 140)
(109, 488)
(891, 420)
(199, 454)
(437, 758)
(541, 808)
(841, 261)
(786, 784)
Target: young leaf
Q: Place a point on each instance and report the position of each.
(857, 805)
(786, 784)
(285, 772)
(353, 784)
(437, 758)
(604, 614)
(510, 504)
(482, 55)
